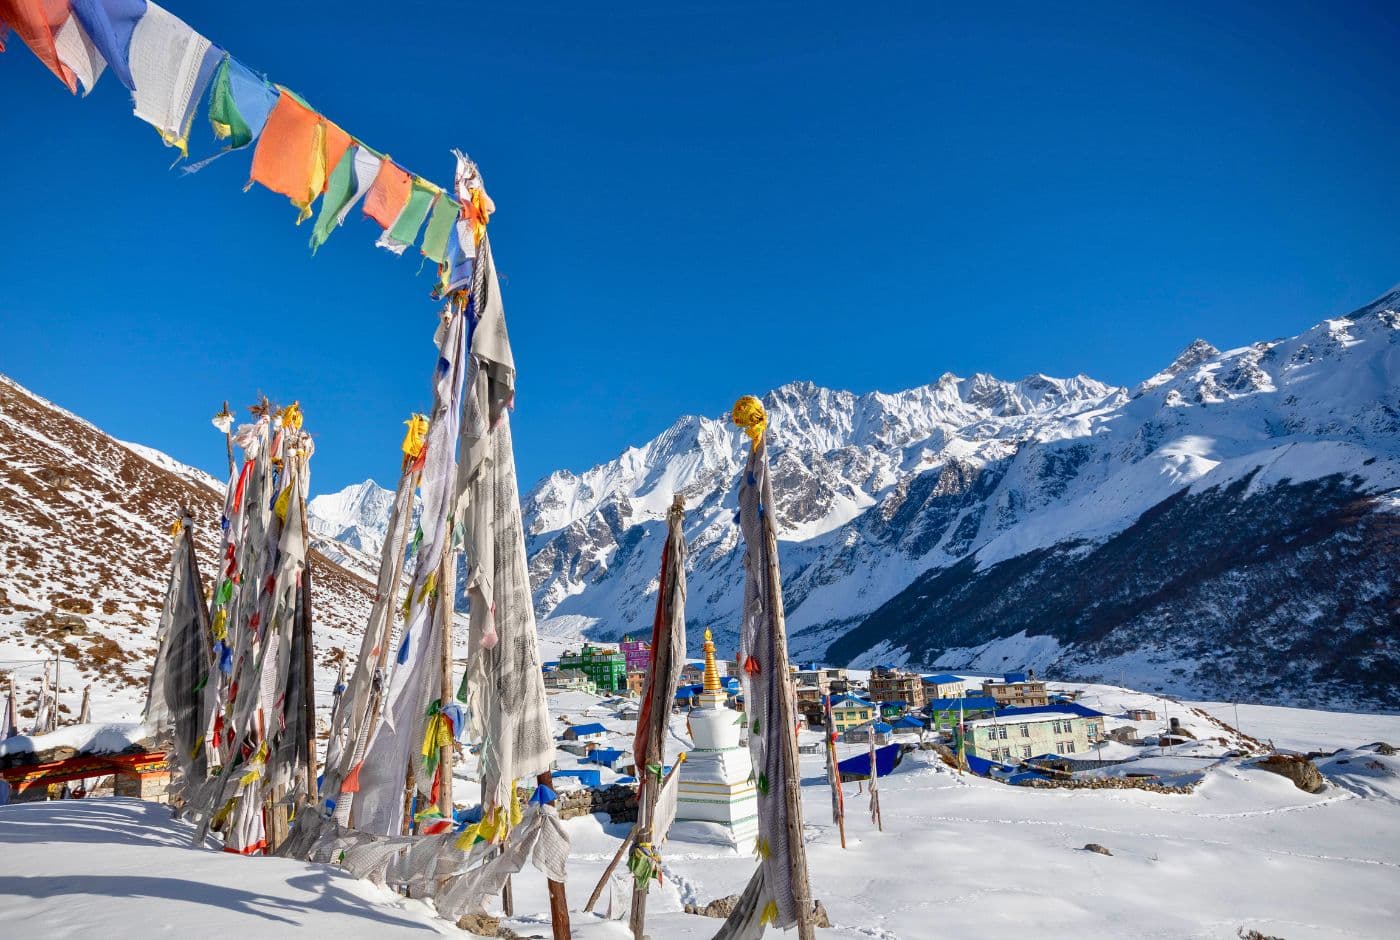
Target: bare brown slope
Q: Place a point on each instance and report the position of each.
(85, 528)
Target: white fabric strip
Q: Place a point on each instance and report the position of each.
(165, 59)
(76, 51)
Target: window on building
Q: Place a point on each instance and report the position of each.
(1064, 747)
(1025, 750)
(1025, 731)
(1001, 732)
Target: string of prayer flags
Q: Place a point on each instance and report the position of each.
(171, 69)
(109, 25)
(171, 66)
(35, 22)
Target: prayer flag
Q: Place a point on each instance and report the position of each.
(35, 22)
(76, 51)
(239, 103)
(404, 231)
(171, 66)
(444, 214)
(389, 194)
(109, 25)
(296, 151)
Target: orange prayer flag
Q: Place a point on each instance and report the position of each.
(388, 194)
(35, 22)
(286, 151)
(296, 152)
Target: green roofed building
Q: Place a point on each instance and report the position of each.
(606, 666)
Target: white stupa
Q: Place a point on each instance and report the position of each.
(716, 799)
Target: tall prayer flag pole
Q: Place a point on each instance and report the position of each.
(667, 660)
(779, 892)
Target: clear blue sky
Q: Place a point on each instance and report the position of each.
(699, 200)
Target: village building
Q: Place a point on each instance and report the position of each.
(1141, 714)
(892, 710)
(568, 680)
(892, 685)
(944, 685)
(908, 725)
(592, 733)
(944, 713)
(1094, 721)
(636, 654)
(881, 731)
(636, 682)
(848, 711)
(606, 666)
(1020, 737)
(1016, 689)
(716, 786)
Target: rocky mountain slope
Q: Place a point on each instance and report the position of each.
(1227, 527)
(84, 529)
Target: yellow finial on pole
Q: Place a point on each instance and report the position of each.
(749, 415)
(711, 670)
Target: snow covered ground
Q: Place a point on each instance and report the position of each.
(960, 856)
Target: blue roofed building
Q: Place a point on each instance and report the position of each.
(944, 685)
(1094, 720)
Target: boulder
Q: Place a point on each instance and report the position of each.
(1095, 847)
(1300, 770)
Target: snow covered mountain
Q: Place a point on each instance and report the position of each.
(1228, 527)
(85, 530)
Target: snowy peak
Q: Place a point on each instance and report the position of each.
(1189, 358)
(358, 516)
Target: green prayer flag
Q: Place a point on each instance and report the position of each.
(410, 220)
(445, 213)
(223, 113)
(340, 189)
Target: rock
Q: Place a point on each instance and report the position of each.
(1095, 847)
(1383, 748)
(1300, 770)
(484, 925)
(719, 907)
(819, 915)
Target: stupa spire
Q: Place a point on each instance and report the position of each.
(711, 670)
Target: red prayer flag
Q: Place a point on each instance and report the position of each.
(35, 22)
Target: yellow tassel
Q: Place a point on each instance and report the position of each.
(769, 915)
(429, 586)
(220, 626)
(416, 436)
(291, 416)
(762, 849)
(280, 507)
(749, 415)
(197, 745)
(176, 528)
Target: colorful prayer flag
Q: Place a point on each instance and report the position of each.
(35, 22)
(109, 25)
(388, 194)
(171, 66)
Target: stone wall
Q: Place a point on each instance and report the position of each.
(1107, 783)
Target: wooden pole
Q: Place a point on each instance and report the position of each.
(228, 440)
(607, 872)
(646, 802)
(53, 715)
(308, 690)
(801, 888)
(558, 901)
(444, 611)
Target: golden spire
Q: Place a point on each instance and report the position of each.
(711, 670)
